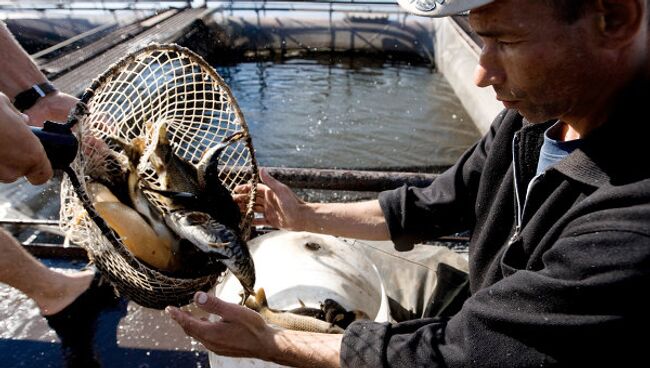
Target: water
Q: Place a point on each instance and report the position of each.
(303, 113)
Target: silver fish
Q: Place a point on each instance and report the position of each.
(217, 240)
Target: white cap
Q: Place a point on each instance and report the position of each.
(440, 8)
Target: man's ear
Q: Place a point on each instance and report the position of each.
(619, 21)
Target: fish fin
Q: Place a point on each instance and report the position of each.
(133, 149)
(302, 304)
(250, 302)
(172, 194)
(359, 315)
(162, 134)
(260, 297)
(334, 329)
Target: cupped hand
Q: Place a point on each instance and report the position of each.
(241, 332)
(277, 203)
(21, 153)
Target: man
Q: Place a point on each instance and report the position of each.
(556, 195)
(69, 301)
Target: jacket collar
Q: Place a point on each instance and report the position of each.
(614, 153)
(527, 144)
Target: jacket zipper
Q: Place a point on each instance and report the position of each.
(515, 150)
(521, 207)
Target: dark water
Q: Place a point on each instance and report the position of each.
(303, 113)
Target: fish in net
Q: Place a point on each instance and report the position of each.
(160, 131)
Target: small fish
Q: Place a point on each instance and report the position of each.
(339, 316)
(286, 319)
(309, 312)
(215, 194)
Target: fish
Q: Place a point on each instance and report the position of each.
(308, 311)
(288, 320)
(339, 316)
(198, 187)
(201, 209)
(136, 234)
(216, 240)
(134, 150)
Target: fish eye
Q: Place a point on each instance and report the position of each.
(312, 246)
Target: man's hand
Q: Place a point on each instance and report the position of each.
(279, 206)
(282, 209)
(241, 332)
(53, 107)
(21, 153)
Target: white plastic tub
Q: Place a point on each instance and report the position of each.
(309, 267)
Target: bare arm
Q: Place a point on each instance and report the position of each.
(18, 72)
(282, 209)
(242, 332)
(360, 220)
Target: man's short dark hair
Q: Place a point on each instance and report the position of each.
(569, 10)
(572, 10)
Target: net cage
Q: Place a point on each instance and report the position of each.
(158, 84)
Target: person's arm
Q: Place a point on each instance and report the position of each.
(406, 215)
(281, 208)
(241, 332)
(21, 154)
(18, 72)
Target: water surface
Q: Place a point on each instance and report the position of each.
(303, 113)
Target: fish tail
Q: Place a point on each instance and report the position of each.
(260, 298)
(234, 137)
(250, 301)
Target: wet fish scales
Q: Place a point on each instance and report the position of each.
(288, 320)
(215, 239)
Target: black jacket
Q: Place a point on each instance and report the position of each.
(559, 281)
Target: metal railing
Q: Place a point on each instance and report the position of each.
(265, 5)
(44, 5)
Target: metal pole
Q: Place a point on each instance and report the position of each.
(352, 180)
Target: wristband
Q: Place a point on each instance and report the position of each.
(27, 98)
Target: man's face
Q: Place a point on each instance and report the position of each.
(535, 61)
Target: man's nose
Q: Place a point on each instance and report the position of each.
(488, 72)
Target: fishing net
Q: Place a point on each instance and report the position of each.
(159, 84)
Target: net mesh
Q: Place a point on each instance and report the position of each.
(159, 84)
